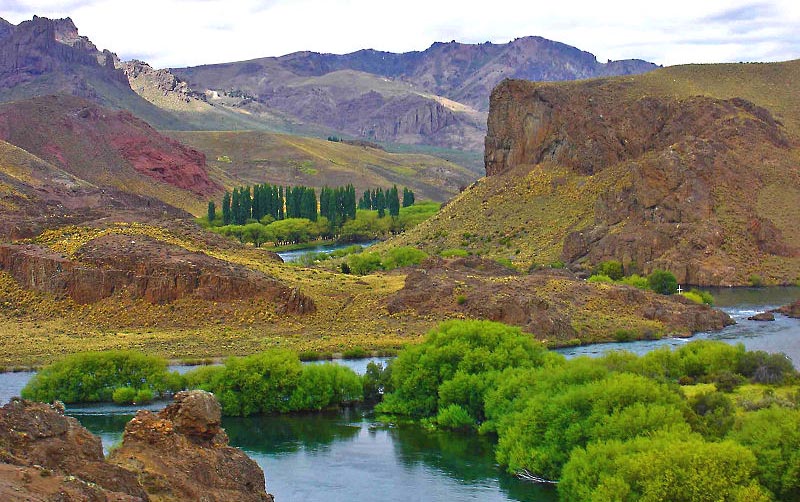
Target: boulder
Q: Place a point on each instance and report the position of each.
(181, 453)
(791, 310)
(763, 316)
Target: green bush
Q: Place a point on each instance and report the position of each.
(403, 256)
(124, 395)
(756, 281)
(611, 268)
(94, 376)
(691, 295)
(364, 263)
(635, 280)
(662, 282)
(355, 353)
(454, 253)
(276, 381)
(454, 417)
(456, 364)
(600, 279)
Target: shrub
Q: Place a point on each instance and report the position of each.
(124, 395)
(557, 264)
(324, 385)
(454, 417)
(600, 278)
(94, 376)
(355, 353)
(635, 280)
(506, 263)
(611, 268)
(364, 263)
(662, 282)
(705, 296)
(624, 335)
(691, 295)
(456, 364)
(454, 253)
(756, 281)
(402, 257)
(461, 299)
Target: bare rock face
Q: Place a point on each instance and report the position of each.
(551, 304)
(143, 267)
(182, 454)
(48, 456)
(694, 179)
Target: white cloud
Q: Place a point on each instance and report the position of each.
(183, 32)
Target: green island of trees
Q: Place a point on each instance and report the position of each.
(706, 422)
(291, 215)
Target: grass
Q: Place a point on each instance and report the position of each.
(281, 159)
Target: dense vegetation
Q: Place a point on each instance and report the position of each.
(268, 382)
(660, 281)
(288, 215)
(121, 376)
(709, 421)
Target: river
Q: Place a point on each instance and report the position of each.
(295, 254)
(350, 456)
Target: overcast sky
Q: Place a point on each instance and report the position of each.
(170, 33)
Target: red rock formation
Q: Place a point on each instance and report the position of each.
(791, 310)
(100, 145)
(48, 456)
(181, 453)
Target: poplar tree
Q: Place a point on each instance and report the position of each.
(393, 201)
(226, 208)
(212, 212)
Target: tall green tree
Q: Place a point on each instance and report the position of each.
(226, 208)
(408, 197)
(393, 202)
(212, 212)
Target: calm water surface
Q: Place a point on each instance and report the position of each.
(349, 455)
(295, 255)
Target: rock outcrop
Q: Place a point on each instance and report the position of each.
(552, 304)
(791, 310)
(142, 267)
(691, 185)
(45, 455)
(181, 453)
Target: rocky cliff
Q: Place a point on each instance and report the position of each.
(141, 267)
(697, 176)
(48, 56)
(181, 453)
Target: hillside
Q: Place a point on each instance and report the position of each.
(250, 157)
(435, 97)
(657, 171)
(107, 149)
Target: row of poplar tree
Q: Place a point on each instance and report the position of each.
(277, 202)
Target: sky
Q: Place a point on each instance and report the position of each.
(176, 33)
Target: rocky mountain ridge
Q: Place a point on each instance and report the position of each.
(438, 96)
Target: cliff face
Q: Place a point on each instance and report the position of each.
(696, 181)
(141, 267)
(181, 453)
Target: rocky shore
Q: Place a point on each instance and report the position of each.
(179, 453)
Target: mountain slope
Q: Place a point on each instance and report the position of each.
(108, 149)
(44, 56)
(641, 170)
(437, 97)
(250, 157)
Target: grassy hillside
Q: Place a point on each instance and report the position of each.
(248, 157)
(650, 175)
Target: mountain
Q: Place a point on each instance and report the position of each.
(48, 56)
(437, 97)
(78, 142)
(693, 169)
